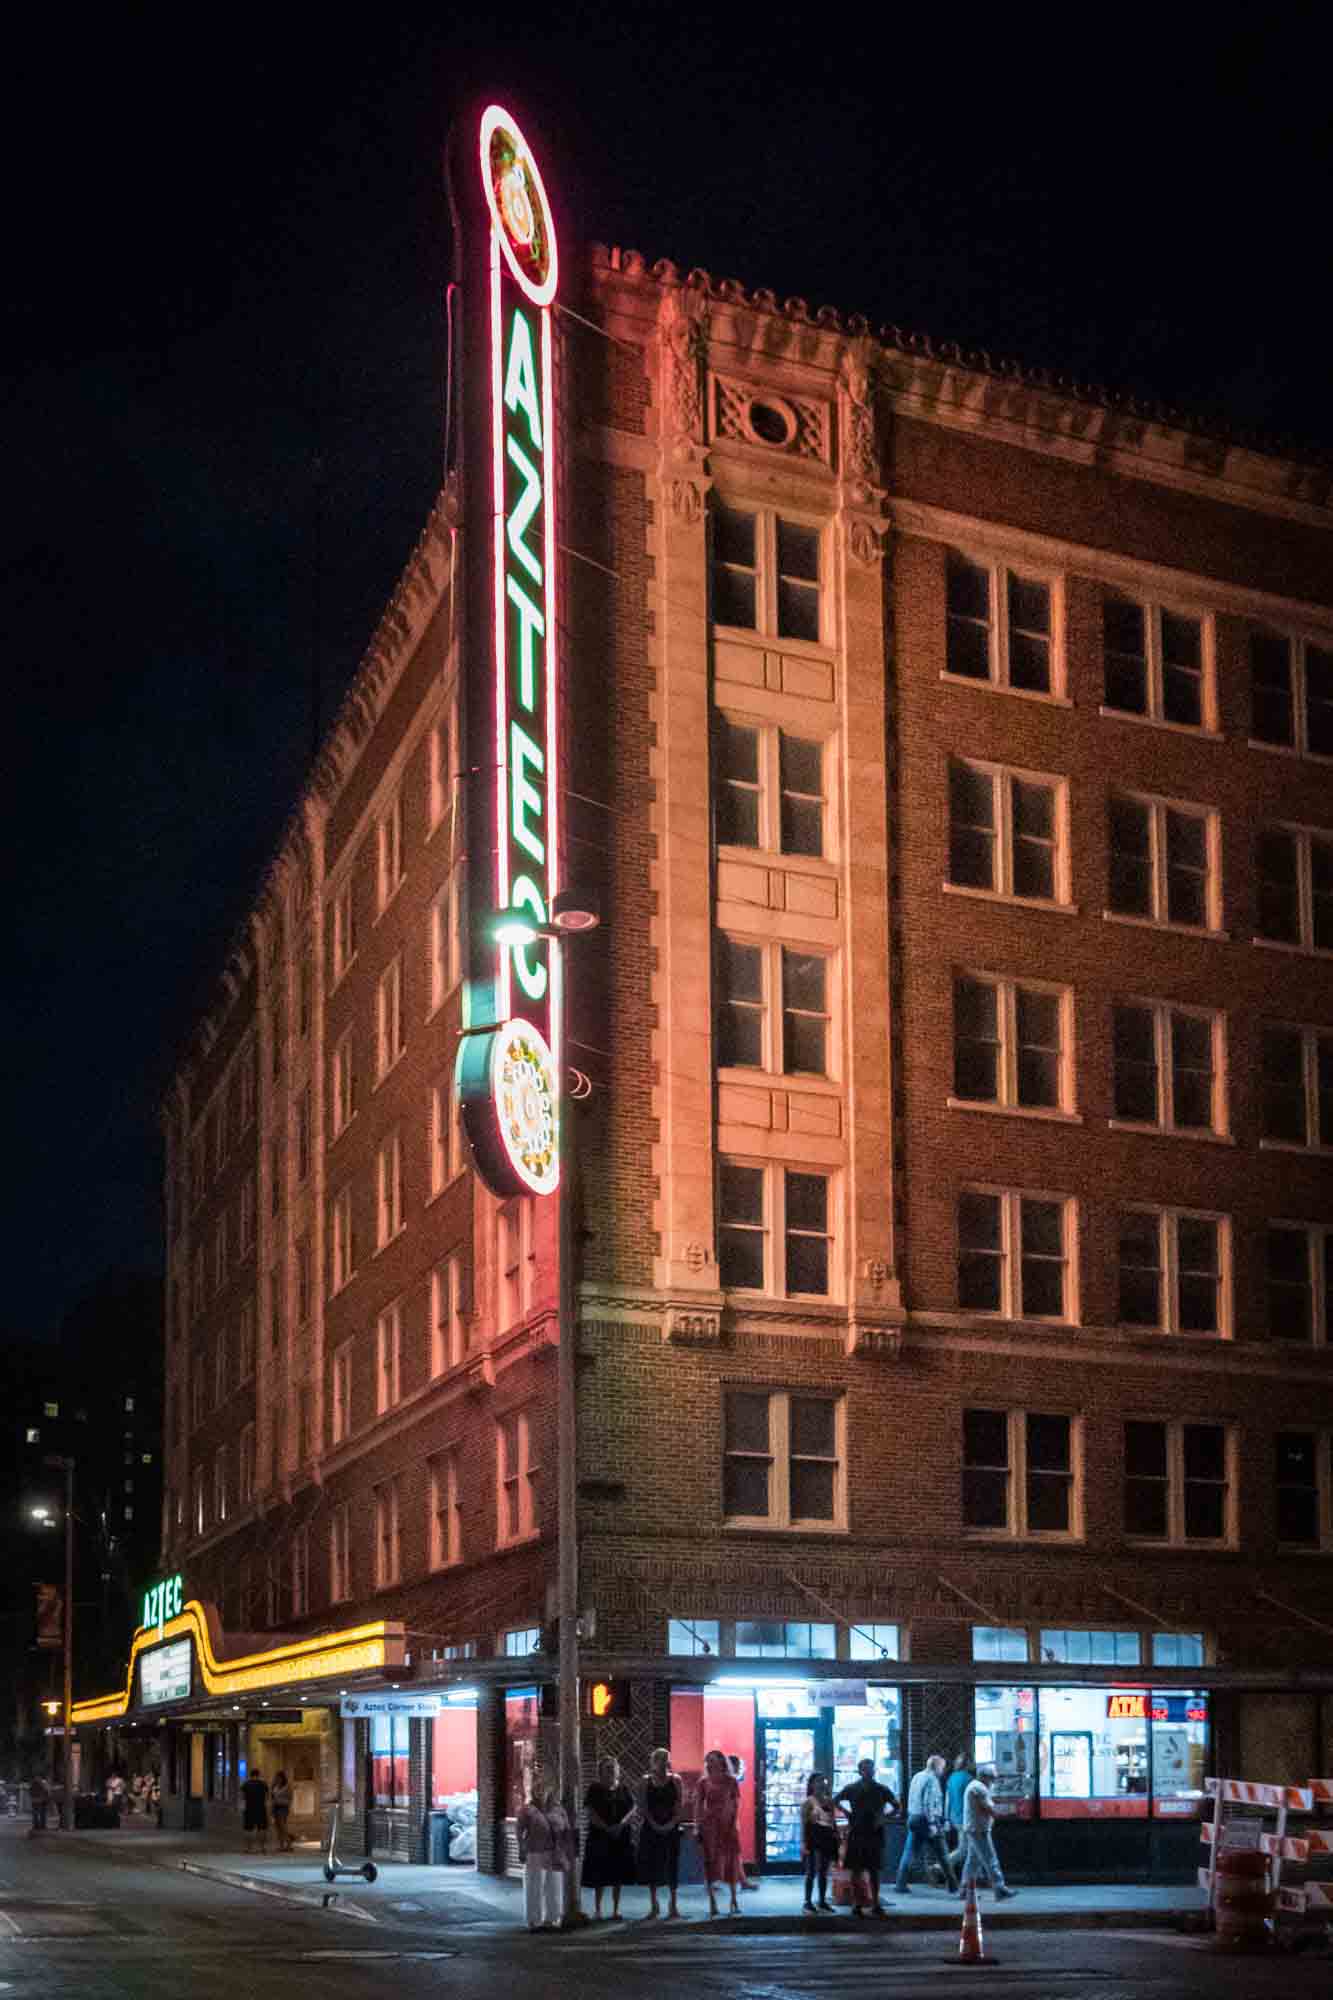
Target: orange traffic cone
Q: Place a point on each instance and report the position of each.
(970, 1948)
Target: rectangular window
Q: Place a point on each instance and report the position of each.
(389, 1190)
(388, 1358)
(443, 762)
(245, 1343)
(1156, 664)
(1177, 1649)
(300, 1573)
(999, 626)
(1177, 1482)
(304, 994)
(446, 1536)
(1299, 1280)
(1295, 871)
(387, 1549)
(247, 1081)
(999, 1642)
(781, 1639)
(220, 1384)
(390, 1032)
(1094, 1648)
(341, 1400)
(867, 1641)
(1014, 1254)
(303, 1128)
(220, 1484)
(245, 1484)
(775, 1230)
(344, 929)
(1006, 833)
(342, 1252)
(1301, 1490)
(1169, 1066)
(344, 1084)
(514, 1241)
(246, 1228)
(389, 851)
(445, 967)
(1012, 1043)
(693, 1638)
(783, 1459)
(1164, 862)
(520, 1642)
(516, 1496)
(1173, 1271)
(770, 789)
(1297, 1086)
(219, 1253)
(1291, 693)
(773, 1008)
(198, 1517)
(1020, 1474)
(765, 574)
(340, 1555)
(448, 1328)
(446, 1138)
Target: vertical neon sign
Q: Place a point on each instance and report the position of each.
(508, 1074)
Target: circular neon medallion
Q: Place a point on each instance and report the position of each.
(526, 1099)
(519, 209)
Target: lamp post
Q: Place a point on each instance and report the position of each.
(43, 1517)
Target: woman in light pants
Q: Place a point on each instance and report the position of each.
(545, 1845)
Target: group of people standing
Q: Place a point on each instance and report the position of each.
(633, 1836)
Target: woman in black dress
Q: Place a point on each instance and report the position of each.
(661, 1803)
(608, 1851)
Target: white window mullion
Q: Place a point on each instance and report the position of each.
(779, 1444)
(1006, 1019)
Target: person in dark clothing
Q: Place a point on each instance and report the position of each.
(608, 1852)
(661, 1807)
(865, 1802)
(254, 1821)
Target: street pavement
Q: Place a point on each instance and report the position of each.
(83, 1920)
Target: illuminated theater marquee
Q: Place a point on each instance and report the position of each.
(508, 1075)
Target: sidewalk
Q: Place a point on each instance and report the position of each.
(461, 1899)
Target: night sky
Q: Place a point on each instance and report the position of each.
(226, 247)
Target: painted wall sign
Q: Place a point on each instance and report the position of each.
(162, 1602)
(508, 1061)
(165, 1672)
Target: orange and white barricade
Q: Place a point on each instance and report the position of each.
(1277, 1842)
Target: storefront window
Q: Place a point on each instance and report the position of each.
(1177, 1649)
(1006, 1726)
(1090, 1649)
(771, 1639)
(1179, 1752)
(454, 1774)
(522, 1711)
(694, 1637)
(389, 1740)
(1094, 1753)
(999, 1642)
(872, 1642)
(873, 1731)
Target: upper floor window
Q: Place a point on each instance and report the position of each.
(342, 1252)
(1155, 663)
(340, 1554)
(1171, 1274)
(1177, 1482)
(514, 1241)
(388, 1358)
(1015, 1254)
(344, 929)
(1297, 1086)
(245, 1343)
(999, 626)
(1169, 1066)
(302, 1118)
(446, 1536)
(1301, 1469)
(245, 1482)
(1090, 1648)
(1007, 832)
(446, 939)
(300, 1573)
(1299, 1281)
(388, 1548)
(389, 851)
(1020, 1473)
(1291, 693)
(448, 1327)
(516, 1495)
(344, 1083)
(390, 1029)
(303, 1261)
(521, 1641)
(770, 789)
(443, 761)
(245, 1234)
(1164, 862)
(1011, 1043)
(1295, 870)
(446, 1135)
(1177, 1649)
(340, 1416)
(765, 574)
(247, 1089)
(304, 994)
(775, 1230)
(784, 1459)
(220, 1253)
(220, 1484)
(389, 1190)
(220, 1384)
(773, 1008)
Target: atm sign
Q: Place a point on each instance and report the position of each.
(1127, 1707)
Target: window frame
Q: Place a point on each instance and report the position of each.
(442, 761)
(1164, 1013)
(1311, 1036)
(522, 1479)
(769, 790)
(1017, 1528)
(390, 1018)
(1010, 1253)
(446, 1513)
(245, 1473)
(340, 1392)
(1007, 988)
(1304, 838)
(1169, 1216)
(1322, 1439)
(998, 571)
(387, 1497)
(340, 1553)
(515, 1260)
(343, 1093)
(390, 865)
(1003, 778)
(766, 573)
(1175, 1536)
(1298, 644)
(342, 1240)
(390, 1204)
(448, 1321)
(445, 1140)
(1319, 1270)
(389, 1358)
(1153, 713)
(772, 1008)
(1158, 809)
(780, 1456)
(774, 1228)
(343, 942)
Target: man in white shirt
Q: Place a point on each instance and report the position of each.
(925, 1824)
(979, 1856)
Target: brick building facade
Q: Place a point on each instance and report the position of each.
(951, 752)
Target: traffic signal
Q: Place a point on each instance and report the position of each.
(603, 1699)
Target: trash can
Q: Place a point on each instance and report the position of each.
(438, 1830)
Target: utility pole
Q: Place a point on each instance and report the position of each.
(66, 1798)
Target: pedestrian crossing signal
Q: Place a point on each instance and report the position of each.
(603, 1699)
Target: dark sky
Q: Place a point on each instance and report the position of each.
(225, 252)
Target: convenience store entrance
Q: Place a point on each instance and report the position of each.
(788, 1752)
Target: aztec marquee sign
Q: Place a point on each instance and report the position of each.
(508, 1061)
(165, 1673)
(162, 1602)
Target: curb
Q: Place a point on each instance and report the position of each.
(941, 1921)
(297, 1898)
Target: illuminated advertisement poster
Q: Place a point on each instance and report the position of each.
(508, 1061)
(164, 1672)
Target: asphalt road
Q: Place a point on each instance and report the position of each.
(78, 1923)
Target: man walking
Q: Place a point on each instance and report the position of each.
(925, 1825)
(254, 1821)
(979, 1856)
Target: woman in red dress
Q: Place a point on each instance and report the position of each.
(716, 1812)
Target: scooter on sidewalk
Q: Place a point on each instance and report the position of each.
(333, 1867)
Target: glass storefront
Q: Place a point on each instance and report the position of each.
(389, 1760)
(1093, 1752)
(522, 1714)
(453, 1768)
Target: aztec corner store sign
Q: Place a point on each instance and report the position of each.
(508, 1061)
